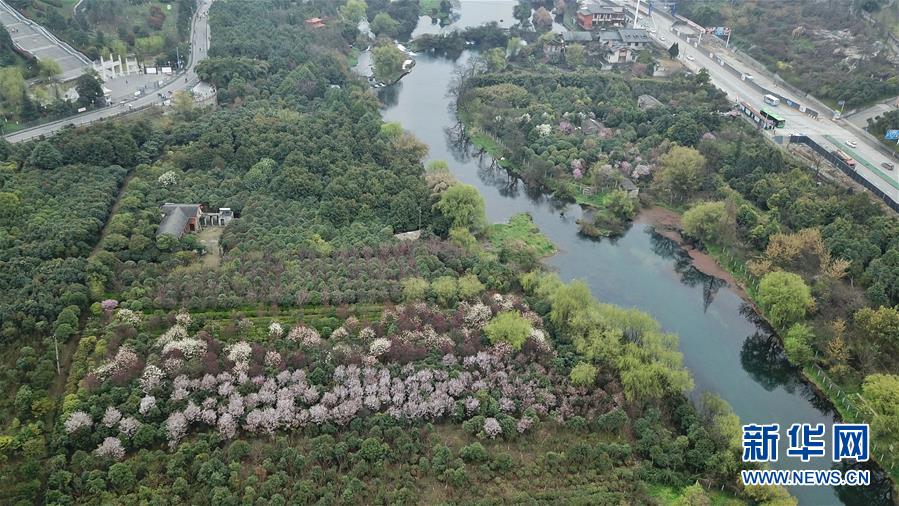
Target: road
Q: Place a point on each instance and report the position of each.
(199, 36)
(824, 131)
(37, 41)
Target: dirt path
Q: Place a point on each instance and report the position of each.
(113, 211)
(209, 238)
(668, 224)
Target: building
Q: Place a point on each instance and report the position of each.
(624, 44)
(594, 14)
(648, 102)
(627, 185)
(219, 219)
(179, 219)
(315, 23)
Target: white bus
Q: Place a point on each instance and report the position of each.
(772, 100)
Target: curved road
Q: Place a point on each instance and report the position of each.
(199, 36)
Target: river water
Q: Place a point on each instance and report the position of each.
(725, 348)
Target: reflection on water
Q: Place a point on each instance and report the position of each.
(641, 269)
(763, 358)
(683, 265)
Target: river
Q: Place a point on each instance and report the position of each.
(725, 348)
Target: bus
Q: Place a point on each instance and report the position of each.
(778, 121)
(755, 116)
(772, 100)
(839, 153)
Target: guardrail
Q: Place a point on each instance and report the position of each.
(846, 169)
(52, 38)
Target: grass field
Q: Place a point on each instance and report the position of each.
(521, 228)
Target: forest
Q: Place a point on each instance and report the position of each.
(817, 258)
(318, 359)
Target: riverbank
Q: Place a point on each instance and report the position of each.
(667, 223)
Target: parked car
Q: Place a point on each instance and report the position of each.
(662, 38)
(852, 144)
(690, 57)
(887, 165)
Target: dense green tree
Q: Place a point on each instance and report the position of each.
(508, 327)
(583, 374)
(706, 221)
(387, 61)
(384, 25)
(45, 156)
(797, 343)
(785, 298)
(90, 90)
(881, 391)
(680, 174)
(463, 205)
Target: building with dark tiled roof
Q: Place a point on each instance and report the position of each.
(179, 219)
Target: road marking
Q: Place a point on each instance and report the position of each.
(892, 182)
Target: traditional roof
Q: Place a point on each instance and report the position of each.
(600, 8)
(628, 185)
(577, 36)
(634, 35)
(624, 36)
(647, 102)
(176, 217)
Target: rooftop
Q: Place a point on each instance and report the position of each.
(176, 217)
(625, 36)
(577, 36)
(600, 7)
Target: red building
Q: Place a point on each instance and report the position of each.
(599, 14)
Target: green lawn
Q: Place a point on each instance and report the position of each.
(668, 495)
(521, 228)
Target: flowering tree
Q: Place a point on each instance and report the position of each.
(77, 420)
(275, 330)
(307, 336)
(111, 417)
(183, 318)
(379, 347)
(167, 179)
(111, 448)
(492, 428)
(128, 316)
(129, 426)
(109, 305)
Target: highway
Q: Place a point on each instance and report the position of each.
(823, 130)
(199, 35)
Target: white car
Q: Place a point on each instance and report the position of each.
(690, 57)
(653, 31)
(852, 144)
(662, 38)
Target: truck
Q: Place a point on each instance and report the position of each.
(839, 153)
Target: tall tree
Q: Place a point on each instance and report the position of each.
(785, 297)
(90, 90)
(681, 173)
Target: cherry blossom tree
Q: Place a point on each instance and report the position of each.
(111, 448)
(76, 421)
